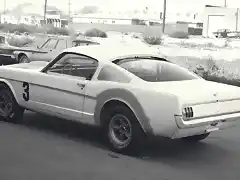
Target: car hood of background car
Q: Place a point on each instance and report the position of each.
(8, 48)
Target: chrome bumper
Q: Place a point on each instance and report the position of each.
(8, 55)
(204, 125)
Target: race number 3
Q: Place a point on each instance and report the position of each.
(25, 93)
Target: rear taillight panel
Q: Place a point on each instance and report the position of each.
(187, 113)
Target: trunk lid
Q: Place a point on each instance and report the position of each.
(206, 98)
(198, 91)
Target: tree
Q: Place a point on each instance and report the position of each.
(89, 9)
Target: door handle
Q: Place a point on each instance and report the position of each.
(81, 85)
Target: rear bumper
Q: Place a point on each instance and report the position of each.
(205, 125)
(6, 59)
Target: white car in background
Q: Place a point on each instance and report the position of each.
(129, 92)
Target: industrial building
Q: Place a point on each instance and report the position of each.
(217, 17)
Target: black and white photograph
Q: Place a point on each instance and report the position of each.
(113, 90)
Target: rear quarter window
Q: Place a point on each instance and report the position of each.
(157, 71)
(109, 73)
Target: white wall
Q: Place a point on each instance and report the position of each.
(228, 18)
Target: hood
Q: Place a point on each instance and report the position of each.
(34, 65)
(198, 91)
(10, 49)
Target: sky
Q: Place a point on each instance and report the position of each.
(118, 5)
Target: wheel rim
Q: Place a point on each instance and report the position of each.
(24, 60)
(120, 130)
(6, 104)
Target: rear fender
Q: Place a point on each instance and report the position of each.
(127, 98)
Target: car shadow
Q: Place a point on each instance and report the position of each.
(180, 154)
(172, 152)
(67, 129)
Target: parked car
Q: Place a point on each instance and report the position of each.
(226, 33)
(49, 49)
(130, 92)
(221, 33)
(6, 56)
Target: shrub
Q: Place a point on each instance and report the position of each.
(95, 33)
(19, 41)
(212, 68)
(179, 34)
(22, 28)
(56, 30)
(153, 40)
(222, 79)
(18, 29)
(226, 42)
(216, 77)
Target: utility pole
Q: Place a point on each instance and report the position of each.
(164, 15)
(45, 11)
(225, 3)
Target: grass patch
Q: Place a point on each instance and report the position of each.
(153, 40)
(222, 79)
(23, 28)
(179, 34)
(95, 33)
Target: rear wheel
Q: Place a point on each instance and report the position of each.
(196, 138)
(23, 59)
(10, 111)
(123, 131)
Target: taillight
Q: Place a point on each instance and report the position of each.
(187, 112)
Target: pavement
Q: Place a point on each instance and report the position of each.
(46, 148)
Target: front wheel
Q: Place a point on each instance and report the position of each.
(10, 111)
(23, 59)
(196, 138)
(123, 131)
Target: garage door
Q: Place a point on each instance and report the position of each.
(215, 23)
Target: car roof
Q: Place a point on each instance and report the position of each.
(104, 52)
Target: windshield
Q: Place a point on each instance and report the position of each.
(157, 71)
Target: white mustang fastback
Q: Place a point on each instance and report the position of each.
(131, 93)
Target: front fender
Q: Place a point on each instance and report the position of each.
(17, 53)
(4, 81)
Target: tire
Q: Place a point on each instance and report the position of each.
(136, 139)
(23, 59)
(196, 138)
(10, 111)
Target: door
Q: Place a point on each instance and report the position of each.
(60, 88)
(215, 22)
(50, 48)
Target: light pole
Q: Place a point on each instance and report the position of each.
(45, 11)
(164, 15)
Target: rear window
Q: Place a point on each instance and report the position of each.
(157, 71)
